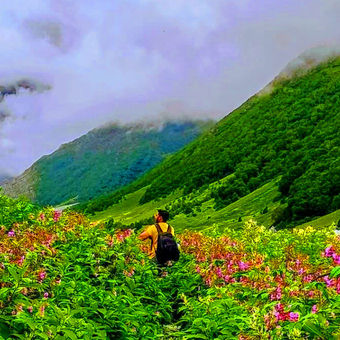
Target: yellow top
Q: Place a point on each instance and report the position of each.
(152, 234)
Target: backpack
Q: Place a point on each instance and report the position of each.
(167, 249)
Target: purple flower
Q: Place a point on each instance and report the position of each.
(45, 295)
(329, 251)
(336, 258)
(11, 233)
(219, 272)
(329, 282)
(293, 317)
(314, 309)
(243, 266)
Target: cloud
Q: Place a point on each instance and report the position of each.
(57, 34)
(137, 60)
(3, 116)
(24, 84)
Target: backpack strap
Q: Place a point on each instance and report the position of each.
(159, 230)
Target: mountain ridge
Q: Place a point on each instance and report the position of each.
(290, 132)
(102, 160)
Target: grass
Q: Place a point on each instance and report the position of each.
(247, 207)
(250, 206)
(323, 221)
(129, 211)
(232, 216)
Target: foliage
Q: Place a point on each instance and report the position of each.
(64, 277)
(15, 210)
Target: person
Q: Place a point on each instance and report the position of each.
(152, 232)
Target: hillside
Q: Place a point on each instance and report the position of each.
(290, 131)
(103, 160)
(4, 177)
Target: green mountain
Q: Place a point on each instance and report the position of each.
(288, 131)
(103, 160)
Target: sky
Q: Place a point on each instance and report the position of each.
(93, 62)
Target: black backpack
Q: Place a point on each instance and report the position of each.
(167, 249)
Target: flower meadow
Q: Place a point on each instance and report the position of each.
(62, 277)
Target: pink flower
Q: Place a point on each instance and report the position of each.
(30, 309)
(276, 295)
(279, 307)
(41, 276)
(198, 270)
(293, 317)
(21, 260)
(11, 233)
(42, 217)
(307, 278)
(301, 271)
(329, 282)
(42, 310)
(329, 251)
(336, 258)
(314, 309)
(56, 215)
(310, 293)
(279, 313)
(45, 295)
(227, 278)
(243, 266)
(219, 272)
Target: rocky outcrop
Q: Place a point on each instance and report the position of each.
(25, 184)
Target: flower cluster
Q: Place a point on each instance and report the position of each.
(121, 235)
(331, 252)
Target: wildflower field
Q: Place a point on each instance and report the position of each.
(62, 277)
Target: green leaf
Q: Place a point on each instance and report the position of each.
(4, 331)
(196, 336)
(14, 273)
(335, 272)
(311, 327)
(70, 334)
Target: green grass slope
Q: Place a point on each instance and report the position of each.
(257, 205)
(324, 221)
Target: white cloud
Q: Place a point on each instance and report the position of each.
(126, 60)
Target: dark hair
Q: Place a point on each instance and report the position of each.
(164, 214)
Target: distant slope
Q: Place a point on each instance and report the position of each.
(103, 160)
(324, 221)
(291, 131)
(4, 177)
(257, 205)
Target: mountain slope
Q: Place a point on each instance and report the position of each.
(290, 131)
(104, 159)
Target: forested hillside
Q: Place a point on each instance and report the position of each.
(292, 132)
(103, 160)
